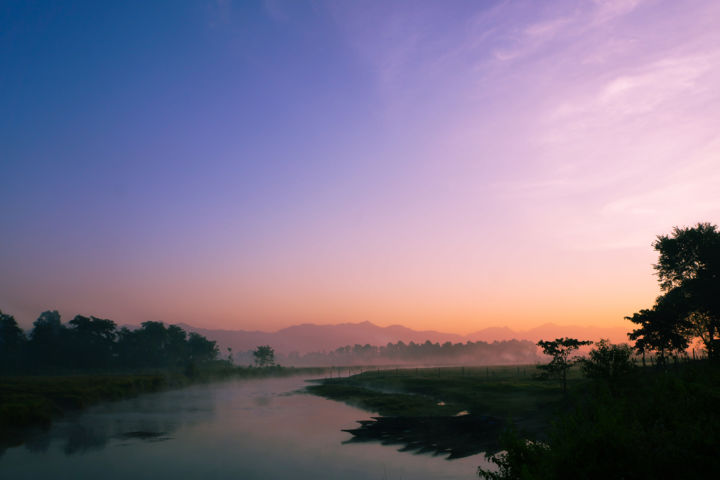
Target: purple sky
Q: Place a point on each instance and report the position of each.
(446, 165)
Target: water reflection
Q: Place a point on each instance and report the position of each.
(149, 418)
(255, 429)
(454, 437)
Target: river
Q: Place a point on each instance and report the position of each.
(243, 429)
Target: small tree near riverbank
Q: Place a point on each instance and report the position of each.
(608, 362)
(264, 356)
(560, 350)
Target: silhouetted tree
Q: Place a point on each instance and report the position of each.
(690, 260)
(152, 338)
(608, 361)
(129, 349)
(91, 343)
(157, 346)
(48, 340)
(92, 340)
(265, 356)
(560, 350)
(664, 328)
(201, 349)
(12, 343)
(688, 270)
(176, 346)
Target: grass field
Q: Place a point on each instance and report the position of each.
(503, 391)
(652, 423)
(419, 408)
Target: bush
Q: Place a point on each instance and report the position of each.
(608, 361)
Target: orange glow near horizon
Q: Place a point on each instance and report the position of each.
(453, 166)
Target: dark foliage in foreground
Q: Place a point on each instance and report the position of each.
(637, 423)
(656, 423)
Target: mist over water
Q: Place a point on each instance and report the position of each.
(250, 429)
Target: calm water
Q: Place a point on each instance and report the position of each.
(249, 429)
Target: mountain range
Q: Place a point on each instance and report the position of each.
(318, 338)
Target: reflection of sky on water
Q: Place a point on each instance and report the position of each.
(149, 418)
(245, 429)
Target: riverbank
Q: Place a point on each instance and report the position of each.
(29, 402)
(456, 411)
(654, 422)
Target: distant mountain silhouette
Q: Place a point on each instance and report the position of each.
(318, 338)
(551, 331)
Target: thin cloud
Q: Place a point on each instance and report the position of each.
(607, 10)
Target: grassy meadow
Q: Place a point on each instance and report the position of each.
(502, 391)
(457, 411)
(654, 422)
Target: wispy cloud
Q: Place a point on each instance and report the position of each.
(532, 37)
(583, 113)
(606, 10)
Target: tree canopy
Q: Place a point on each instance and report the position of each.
(96, 344)
(560, 350)
(688, 271)
(264, 356)
(608, 361)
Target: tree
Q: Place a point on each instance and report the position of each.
(688, 270)
(12, 342)
(264, 356)
(47, 339)
(517, 459)
(202, 349)
(690, 260)
(560, 350)
(608, 362)
(688, 254)
(176, 346)
(664, 328)
(92, 341)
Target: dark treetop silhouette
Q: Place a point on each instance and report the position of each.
(689, 274)
(95, 344)
(560, 350)
(264, 356)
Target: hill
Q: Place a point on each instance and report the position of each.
(318, 338)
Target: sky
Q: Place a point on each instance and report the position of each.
(443, 165)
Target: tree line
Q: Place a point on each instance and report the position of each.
(96, 344)
(448, 353)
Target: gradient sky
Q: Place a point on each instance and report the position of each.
(448, 165)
